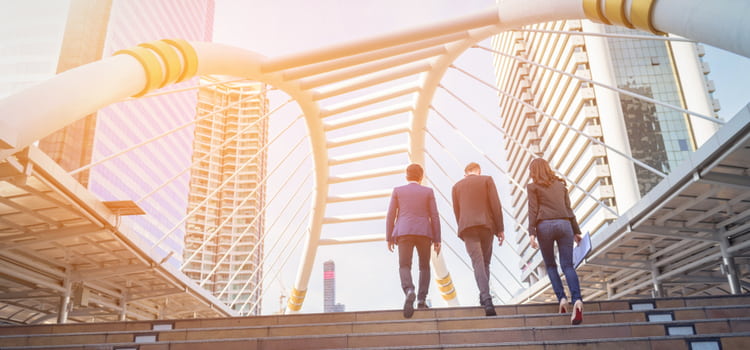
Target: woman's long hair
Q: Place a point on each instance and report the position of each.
(542, 174)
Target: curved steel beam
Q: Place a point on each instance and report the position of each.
(134, 72)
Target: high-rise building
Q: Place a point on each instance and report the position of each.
(32, 33)
(329, 288)
(602, 183)
(83, 42)
(223, 244)
(154, 174)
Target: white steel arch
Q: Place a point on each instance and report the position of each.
(311, 78)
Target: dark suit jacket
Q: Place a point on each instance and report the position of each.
(412, 212)
(551, 202)
(476, 203)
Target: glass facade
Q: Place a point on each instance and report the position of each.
(32, 34)
(552, 104)
(141, 174)
(659, 136)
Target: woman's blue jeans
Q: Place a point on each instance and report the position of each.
(560, 231)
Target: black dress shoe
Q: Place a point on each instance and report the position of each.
(489, 309)
(422, 305)
(409, 303)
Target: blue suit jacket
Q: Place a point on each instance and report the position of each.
(412, 212)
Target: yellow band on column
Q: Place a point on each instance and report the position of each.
(445, 280)
(151, 65)
(446, 288)
(295, 300)
(445, 285)
(189, 58)
(614, 10)
(169, 58)
(640, 15)
(593, 11)
(450, 296)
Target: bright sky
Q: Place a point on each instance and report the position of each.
(280, 27)
(283, 27)
(367, 273)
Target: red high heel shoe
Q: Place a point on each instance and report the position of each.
(563, 305)
(577, 316)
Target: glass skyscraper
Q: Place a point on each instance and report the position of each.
(32, 33)
(602, 183)
(154, 174)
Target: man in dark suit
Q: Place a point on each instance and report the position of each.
(479, 216)
(413, 222)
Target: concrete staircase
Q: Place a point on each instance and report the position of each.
(700, 323)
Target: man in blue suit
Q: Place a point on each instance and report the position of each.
(413, 222)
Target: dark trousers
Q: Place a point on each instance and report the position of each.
(478, 241)
(560, 231)
(406, 245)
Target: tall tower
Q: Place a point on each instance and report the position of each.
(656, 135)
(154, 174)
(329, 288)
(32, 32)
(223, 245)
(83, 42)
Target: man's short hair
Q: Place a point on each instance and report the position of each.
(414, 172)
(472, 167)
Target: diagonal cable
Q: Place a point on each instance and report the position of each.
(606, 35)
(276, 242)
(250, 225)
(512, 139)
(234, 211)
(616, 89)
(202, 158)
(283, 249)
(221, 186)
(276, 275)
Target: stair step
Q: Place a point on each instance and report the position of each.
(557, 335)
(452, 330)
(670, 324)
(694, 308)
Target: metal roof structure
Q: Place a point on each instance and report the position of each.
(689, 236)
(60, 247)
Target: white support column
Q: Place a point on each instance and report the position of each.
(62, 313)
(658, 291)
(729, 267)
(694, 90)
(124, 306)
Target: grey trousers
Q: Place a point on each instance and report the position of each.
(406, 246)
(478, 241)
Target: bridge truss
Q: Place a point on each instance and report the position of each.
(361, 101)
